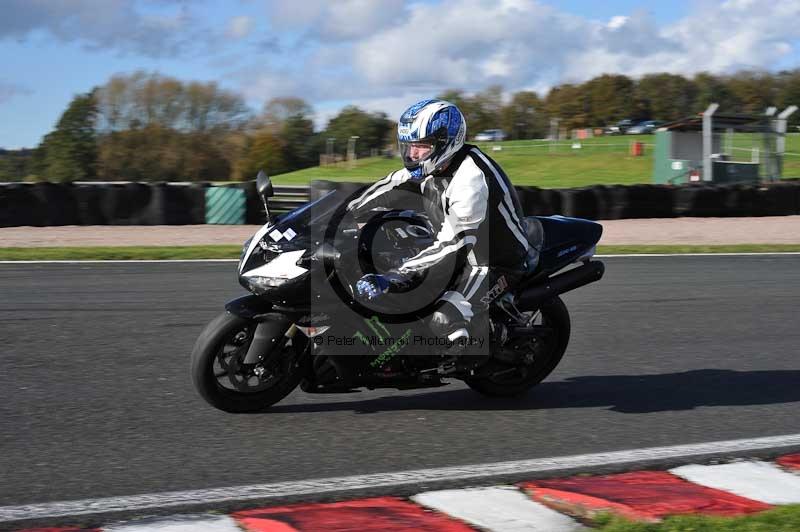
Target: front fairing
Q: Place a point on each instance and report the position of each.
(268, 265)
(288, 232)
(287, 260)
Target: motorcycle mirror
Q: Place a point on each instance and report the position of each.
(264, 185)
(264, 189)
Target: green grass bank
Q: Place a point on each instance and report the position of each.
(598, 161)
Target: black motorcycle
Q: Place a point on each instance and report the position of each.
(302, 325)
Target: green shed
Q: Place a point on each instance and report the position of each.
(719, 148)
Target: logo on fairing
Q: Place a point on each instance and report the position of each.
(378, 338)
(495, 291)
(567, 250)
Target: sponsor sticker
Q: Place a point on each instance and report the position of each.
(289, 234)
(495, 291)
(276, 235)
(567, 250)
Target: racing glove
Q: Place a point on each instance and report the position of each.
(372, 286)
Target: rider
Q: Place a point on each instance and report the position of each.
(473, 208)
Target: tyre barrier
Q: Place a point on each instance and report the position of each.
(46, 204)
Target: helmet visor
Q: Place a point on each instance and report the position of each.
(415, 152)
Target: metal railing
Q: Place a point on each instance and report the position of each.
(287, 197)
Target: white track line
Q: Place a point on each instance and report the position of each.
(498, 509)
(759, 481)
(178, 523)
(615, 256)
(584, 462)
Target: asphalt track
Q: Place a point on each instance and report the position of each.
(95, 398)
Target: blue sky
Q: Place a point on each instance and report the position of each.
(377, 54)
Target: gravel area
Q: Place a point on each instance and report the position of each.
(691, 231)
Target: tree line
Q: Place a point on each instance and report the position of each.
(149, 127)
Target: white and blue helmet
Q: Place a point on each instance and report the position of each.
(434, 122)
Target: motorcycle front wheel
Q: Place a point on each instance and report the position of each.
(223, 379)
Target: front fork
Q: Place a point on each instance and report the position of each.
(271, 327)
(268, 336)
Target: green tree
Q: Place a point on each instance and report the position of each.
(142, 99)
(607, 99)
(481, 111)
(300, 143)
(264, 151)
(70, 151)
(485, 109)
(753, 91)
(17, 165)
(460, 100)
(524, 116)
(278, 110)
(291, 120)
(156, 128)
(665, 97)
(568, 103)
(713, 89)
(790, 93)
(371, 129)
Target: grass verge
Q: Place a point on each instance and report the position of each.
(232, 252)
(783, 519)
(121, 253)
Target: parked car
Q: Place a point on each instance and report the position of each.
(644, 128)
(619, 128)
(491, 135)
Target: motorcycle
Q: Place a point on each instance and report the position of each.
(302, 325)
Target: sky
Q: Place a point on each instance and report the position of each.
(381, 55)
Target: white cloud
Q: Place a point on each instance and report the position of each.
(120, 25)
(240, 27)
(617, 22)
(519, 43)
(473, 43)
(335, 21)
(383, 52)
(370, 56)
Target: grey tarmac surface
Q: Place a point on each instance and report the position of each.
(95, 396)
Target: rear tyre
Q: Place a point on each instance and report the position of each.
(510, 381)
(225, 382)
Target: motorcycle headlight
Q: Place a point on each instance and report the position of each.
(262, 284)
(279, 270)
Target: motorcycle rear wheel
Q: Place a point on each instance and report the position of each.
(516, 380)
(225, 382)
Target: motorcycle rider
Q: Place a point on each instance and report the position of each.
(473, 208)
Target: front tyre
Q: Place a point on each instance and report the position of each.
(509, 381)
(225, 382)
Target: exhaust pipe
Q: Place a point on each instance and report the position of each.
(534, 296)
